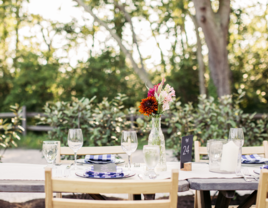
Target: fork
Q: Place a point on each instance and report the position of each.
(246, 172)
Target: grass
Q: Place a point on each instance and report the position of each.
(35, 140)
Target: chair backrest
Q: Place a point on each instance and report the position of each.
(262, 200)
(87, 151)
(261, 150)
(110, 186)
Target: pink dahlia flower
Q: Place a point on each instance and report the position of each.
(152, 91)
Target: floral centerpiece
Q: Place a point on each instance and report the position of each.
(156, 103)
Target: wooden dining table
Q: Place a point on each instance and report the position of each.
(225, 186)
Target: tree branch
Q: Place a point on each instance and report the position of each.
(128, 18)
(141, 72)
(200, 59)
(224, 11)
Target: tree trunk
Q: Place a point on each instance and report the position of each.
(215, 28)
(200, 59)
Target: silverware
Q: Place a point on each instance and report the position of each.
(140, 176)
(246, 173)
(69, 166)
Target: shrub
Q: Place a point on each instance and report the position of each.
(101, 123)
(10, 129)
(212, 120)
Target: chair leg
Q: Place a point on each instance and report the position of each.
(58, 195)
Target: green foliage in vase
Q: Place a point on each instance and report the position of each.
(10, 130)
(101, 123)
(213, 120)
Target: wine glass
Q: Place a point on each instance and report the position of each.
(237, 136)
(151, 155)
(50, 149)
(75, 141)
(129, 144)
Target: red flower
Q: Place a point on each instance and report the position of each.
(148, 106)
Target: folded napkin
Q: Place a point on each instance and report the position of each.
(252, 159)
(100, 158)
(90, 173)
(264, 167)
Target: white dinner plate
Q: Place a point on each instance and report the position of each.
(117, 161)
(81, 174)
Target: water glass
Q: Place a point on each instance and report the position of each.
(129, 144)
(151, 155)
(237, 136)
(50, 149)
(215, 154)
(210, 141)
(75, 142)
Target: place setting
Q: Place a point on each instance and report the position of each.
(108, 166)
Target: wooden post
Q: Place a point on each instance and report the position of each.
(24, 121)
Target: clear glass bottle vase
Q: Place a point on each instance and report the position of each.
(156, 137)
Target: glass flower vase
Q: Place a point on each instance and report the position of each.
(156, 137)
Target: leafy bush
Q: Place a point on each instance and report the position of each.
(9, 130)
(212, 120)
(101, 123)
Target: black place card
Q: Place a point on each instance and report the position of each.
(110, 167)
(186, 149)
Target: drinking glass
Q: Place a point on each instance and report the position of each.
(151, 155)
(210, 141)
(237, 135)
(50, 149)
(129, 144)
(75, 141)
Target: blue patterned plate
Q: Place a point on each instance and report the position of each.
(83, 175)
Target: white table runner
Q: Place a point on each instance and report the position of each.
(19, 171)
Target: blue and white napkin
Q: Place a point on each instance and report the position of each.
(100, 159)
(253, 159)
(91, 174)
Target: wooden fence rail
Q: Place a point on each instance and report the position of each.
(26, 115)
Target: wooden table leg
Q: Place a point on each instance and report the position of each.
(249, 201)
(224, 198)
(149, 196)
(205, 199)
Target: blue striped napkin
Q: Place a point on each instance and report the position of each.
(91, 174)
(252, 159)
(100, 159)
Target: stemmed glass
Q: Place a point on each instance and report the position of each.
(237, 135)
(75, 141)
(50, 149)
(129, 144)
(151, 155)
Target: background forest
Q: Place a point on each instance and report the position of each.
(44, 58)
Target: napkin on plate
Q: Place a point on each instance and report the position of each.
(100, 158)
(90, 173)
(253, 159)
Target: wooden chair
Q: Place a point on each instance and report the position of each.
(262, 200)
(87, 151)
(261, 150)
(110, 186)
